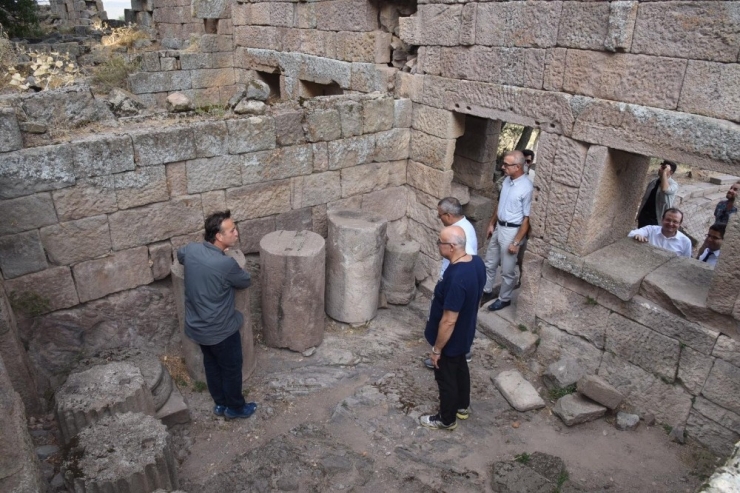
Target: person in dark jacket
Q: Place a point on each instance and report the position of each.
(211, 277)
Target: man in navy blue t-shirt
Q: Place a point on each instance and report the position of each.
(451, 328)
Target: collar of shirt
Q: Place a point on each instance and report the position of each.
(513, 181)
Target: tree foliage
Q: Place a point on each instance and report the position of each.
(18, 18)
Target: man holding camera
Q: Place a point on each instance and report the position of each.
(659, 196)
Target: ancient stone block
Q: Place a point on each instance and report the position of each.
(315, 189)
(707, 91)
(377, 115)
(718, 414)
(392, 145)
(292, 273)
(346, 15)
(716, 438)
(210, 9)
(320, 152)
(583, 25)
(155, 222)
(439, 24)
(36, 169)
(283, 162)
(693, 369)
(554, 69)
(305, 16)
(429, 180)
(141, 187)
(54, 286)
(432, 151)
(191, 61)
(354, 258)
(643, 347)
(252, 231)
(95, 156)
(518, 391)
(119, 271)
(350, 115)
(177, 180)
(24, 213)
(289, 128)
(653, 131)
(210, 138)
(325, 70)
(556, 343)
(440, 123)
(592, 73)
(255, 133)
(600, 391)
(163, 146)
(295, 220)
(351, 152)
(660, 31)
(390, 204)
(725, 284)
(562, 373)
(258, 200)
(257, 37)
(621, 267)
(21, 254)
(622, 17)
(647, 393)
(728, 349)
(73, 241)
(155, 82)
(213, 202)
(572, 312)
(518, 342)
(569, 161)
(668, 286)
(402, 113)
(214, 173)
(371, 47)
(88, 197)
(722, 384)
(467, 24)
(323, 125)
(574, 409)
(11, 139)
(669, 324)
(364, 179)
(530, 24)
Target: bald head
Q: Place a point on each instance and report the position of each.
(451, 242)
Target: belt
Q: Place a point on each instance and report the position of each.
(508, 225)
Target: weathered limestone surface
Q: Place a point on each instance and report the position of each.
(191, 350)
(102, 390)
(129, 451)
(693, 369)
(74, 241)
(398, 281)
(518, 391)
(292, 274)
(575, 409)
(119, 271)
(19, 466)
(89, 197)
(556, 343)
(10, 132)
(562, 373)
(36, 169)
(25, 213)
(716, 438)
(722, 386)
(21, 254)
(53, 286)
(94, 156)
(354, 258)
(519, 342)
(600, 391)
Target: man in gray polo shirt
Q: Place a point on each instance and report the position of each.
(508, 228)
(210, 317)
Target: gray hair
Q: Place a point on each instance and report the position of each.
(457, 240)
(450, 205)
(518, 156)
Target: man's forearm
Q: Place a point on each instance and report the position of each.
(664, 184)
(523, 229)
(446, 326)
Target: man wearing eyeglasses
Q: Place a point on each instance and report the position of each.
(508, 228)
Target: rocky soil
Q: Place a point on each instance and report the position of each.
(346, 418)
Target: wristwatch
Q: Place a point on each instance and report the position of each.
(515, 243)
(434, 351)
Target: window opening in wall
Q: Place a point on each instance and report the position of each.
(313, 89)
(273, 81)
(210, 26)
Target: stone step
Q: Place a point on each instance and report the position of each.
(724, 179)
(562, 373)
(575, 409)
(518, 391)
(519, 342)
(123, 453)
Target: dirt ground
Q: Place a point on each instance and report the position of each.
(346, 418)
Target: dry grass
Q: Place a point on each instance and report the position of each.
(114, 73)
(176, 367)
(124, 36)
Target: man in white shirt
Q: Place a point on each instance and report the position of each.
(667, 236)
(508, 228)
(713, 244)
(450, 212)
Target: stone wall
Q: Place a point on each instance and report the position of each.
(90, 225)
(78, 12)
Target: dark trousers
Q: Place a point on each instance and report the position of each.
(453, 380)
(223, 365)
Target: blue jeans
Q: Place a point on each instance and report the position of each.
(223, 365)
